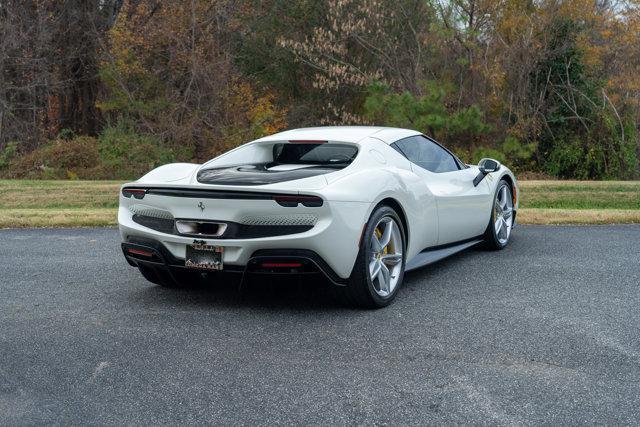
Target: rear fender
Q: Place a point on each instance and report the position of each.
(374, 186)
(171, 173)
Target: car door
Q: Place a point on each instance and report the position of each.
(463, 209)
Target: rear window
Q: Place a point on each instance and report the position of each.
(314, 154)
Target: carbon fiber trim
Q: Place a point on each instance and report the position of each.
(162, 225)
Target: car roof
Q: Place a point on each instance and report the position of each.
(352, 134)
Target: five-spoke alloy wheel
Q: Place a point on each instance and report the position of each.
(501, 222)
(379, 270)
(385, 256)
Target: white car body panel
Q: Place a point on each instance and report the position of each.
(458, 202)
(438, 208)
(332, 225)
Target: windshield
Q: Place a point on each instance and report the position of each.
(314, 154)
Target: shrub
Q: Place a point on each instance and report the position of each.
(517, 155)
(8, 154)
(602, 153)
(492, 153)
(58, 159)
(126, 154)
(118, 153)
(427, 113)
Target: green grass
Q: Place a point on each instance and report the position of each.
(580, 195)
(94, 203)
(78, 217)
(19, 194)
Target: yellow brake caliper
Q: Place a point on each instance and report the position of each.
(379, 235)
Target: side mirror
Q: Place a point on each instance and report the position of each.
(489, 165)
(486, 166)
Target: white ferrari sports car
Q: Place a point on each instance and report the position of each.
(360, 205)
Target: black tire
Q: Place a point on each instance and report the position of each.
(360, 291)
(491, 240)
(157, 277)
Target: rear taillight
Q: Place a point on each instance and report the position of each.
(137, 193)
(293, 201)
(281, 265)
(141, 253)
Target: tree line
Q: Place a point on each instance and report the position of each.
(110, 88)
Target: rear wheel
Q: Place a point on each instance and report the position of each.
(379, 269)
(498, 231)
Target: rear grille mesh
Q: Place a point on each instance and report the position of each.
(150, 211)
(276, 220)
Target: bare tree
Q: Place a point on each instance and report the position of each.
(48, 66)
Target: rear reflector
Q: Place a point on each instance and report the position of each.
(138, 193)
(281, 264)
(364, 227)
(140, 252)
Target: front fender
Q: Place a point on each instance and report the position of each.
(503, 173)
(507, 174)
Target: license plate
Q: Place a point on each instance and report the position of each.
(204, 257)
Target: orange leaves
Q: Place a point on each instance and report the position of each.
(266, 115)
(256, 113)
(169, 70)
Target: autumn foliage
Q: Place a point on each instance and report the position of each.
(547, 86)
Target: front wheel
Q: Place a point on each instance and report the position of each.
(379, 269)
(500, 225)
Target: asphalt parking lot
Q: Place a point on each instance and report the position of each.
(546, 331)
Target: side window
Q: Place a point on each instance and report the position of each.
(427, 154)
